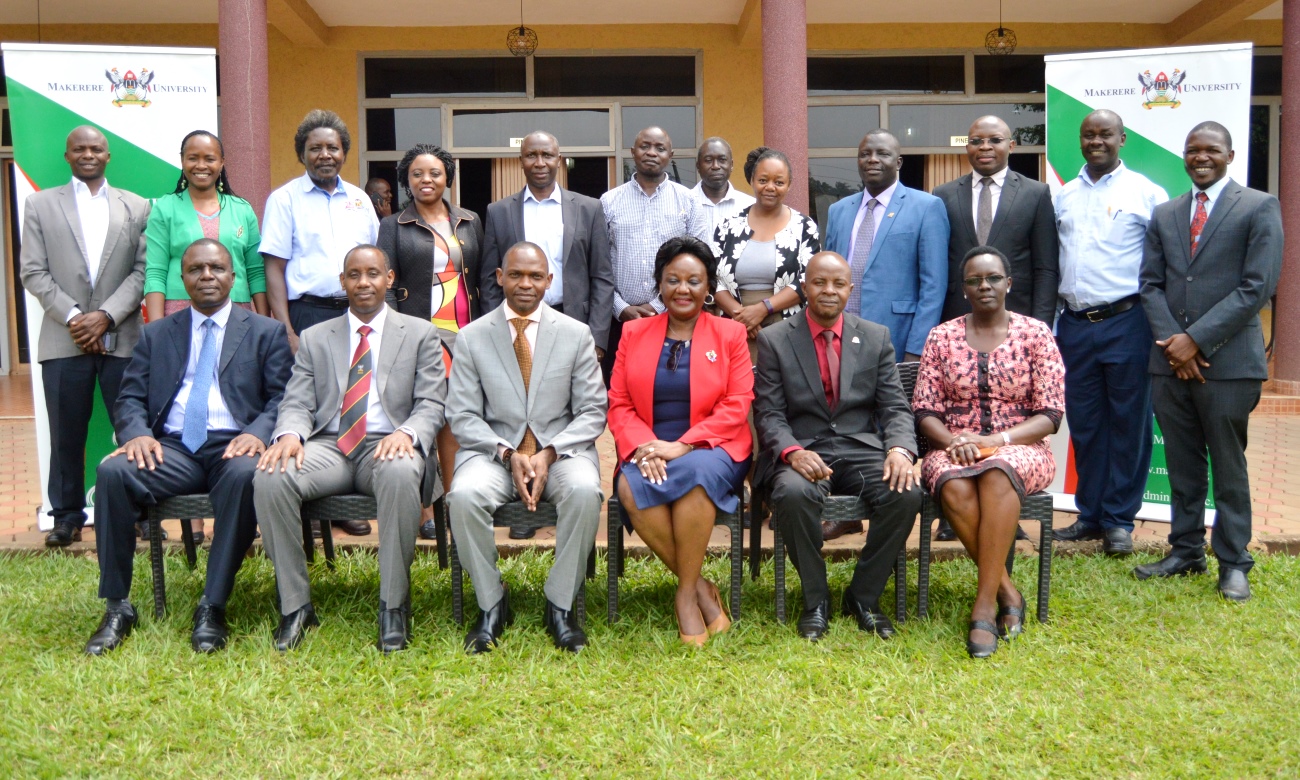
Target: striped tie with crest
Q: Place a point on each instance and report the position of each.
(352, 416)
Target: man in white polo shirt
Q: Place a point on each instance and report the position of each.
(720, 200)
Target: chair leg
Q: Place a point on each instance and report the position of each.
(187, 536)
(308, 544)
(613, 560)
(755, 537)
(457, 587)
(923, 559)
(1044, 568)
(327, 541)
(778, 569)
(581, 605)
(591, 564)
(156, 565)
(737, 561)
(440, 530)
(900, 586)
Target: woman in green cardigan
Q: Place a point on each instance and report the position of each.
(202, 206)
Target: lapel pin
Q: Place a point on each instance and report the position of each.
(890, 214)
(856, 340)
(712, 356)
(239, 232)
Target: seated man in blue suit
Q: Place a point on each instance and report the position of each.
(896, 241)
(198, 403)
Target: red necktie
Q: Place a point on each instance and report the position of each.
(356, 401)
(1198, 222)
(833, 364)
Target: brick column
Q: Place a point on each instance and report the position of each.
(1286, 314)
(785, 90)
(245, 98)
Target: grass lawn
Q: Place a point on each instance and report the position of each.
(1144, 680)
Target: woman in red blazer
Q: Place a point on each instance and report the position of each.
(679, 402)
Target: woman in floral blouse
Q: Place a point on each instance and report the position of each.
(762, 251)
(991, 390)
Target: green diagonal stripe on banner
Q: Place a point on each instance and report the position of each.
(1160, 165)
(40, 132)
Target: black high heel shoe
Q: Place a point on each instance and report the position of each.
(978, 650)
(1016, 629)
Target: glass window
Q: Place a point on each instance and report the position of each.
(886, 75)
(397, 77)
(387, 170)
(491, 128)
(937, 125)
(1010, 73)
(837, 127)
(677, 121)
(829, 180)
(1257, 172)
(681, 170)
(1266, 75)
(614, 76)
(398, 129)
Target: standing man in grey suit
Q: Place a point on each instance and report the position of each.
(1211, 262)
(995, 206)
(83, 258)
(526, 404)
(360, 414)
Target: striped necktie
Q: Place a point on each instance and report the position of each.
(861, 251)
(356, 401)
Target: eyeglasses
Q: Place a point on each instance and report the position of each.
(996, 140)
(675, 354)
(975, 281)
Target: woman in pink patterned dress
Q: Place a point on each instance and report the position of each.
(990, 391)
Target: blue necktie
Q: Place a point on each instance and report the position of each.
(195, 432)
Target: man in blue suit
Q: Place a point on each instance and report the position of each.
(896, 241)
(197, 405)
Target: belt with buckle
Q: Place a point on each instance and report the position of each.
(1099, 313)
(340, 302)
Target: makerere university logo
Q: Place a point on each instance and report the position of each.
(131, 90)
(1161, 91)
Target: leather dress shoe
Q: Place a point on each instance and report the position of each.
(836, 530)
(868, 619)
(394, 628)
(1170, 566)
(815, 621)
(429, 530)
(1078, 532)
(293, 627)
(487, 630)
(113, 628)
(1233, 584)
(522, 532)
(562, 625)
(945, 532)
(353, 527)
(1117, 542)
(63, 535)
(210, 632)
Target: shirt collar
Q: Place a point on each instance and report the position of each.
(1214, 190)
(220, 317)
(730, 195)
(376, 324)
(635, 183)
(1083, 174)
(79, 187)
(837, 328)
(883, 198)
(511, 314)
(555, 195)
(308, 185)
(999, 178)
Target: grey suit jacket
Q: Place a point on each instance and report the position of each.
(1215, 297)
(1024, 228)
(790, 408)
(588, 276)
(564, 404)
(53, 267)
(411, 379)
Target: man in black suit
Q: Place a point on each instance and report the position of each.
(832, 419)
(197, 405)
(1211, 261)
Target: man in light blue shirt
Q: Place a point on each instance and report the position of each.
(1105, 341)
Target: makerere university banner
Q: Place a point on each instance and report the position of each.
(144, 100)
(1160, 94)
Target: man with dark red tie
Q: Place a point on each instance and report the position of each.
(360, 414)
(832, 419)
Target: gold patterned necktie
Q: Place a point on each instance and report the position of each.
(525, 356)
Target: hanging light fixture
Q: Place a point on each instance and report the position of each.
(1002, 40)
(521, 40)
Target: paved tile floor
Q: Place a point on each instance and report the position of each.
(1274, 457)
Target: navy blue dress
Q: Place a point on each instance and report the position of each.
(708, 467)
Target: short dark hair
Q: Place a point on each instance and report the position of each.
(388, 264)
(404, 167)
(318, 119)
(202, 242)
(764, 153)
(686, 245)
(713, 139)
(518, 245)
(984, 250)
(1214, 127)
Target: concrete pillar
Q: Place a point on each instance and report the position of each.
(785, 90)
(1286, 314)
(245, 98)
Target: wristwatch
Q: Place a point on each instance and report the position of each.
(905, 452)
(506, 455)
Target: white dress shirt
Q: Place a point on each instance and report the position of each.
(995, 189)
(731, 204)
(376, 418)
(544, 226)
(92, 211)
(1212, 192)
(882, 203)
(219, 416)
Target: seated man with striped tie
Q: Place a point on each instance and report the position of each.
(197, 406)
(359, 416)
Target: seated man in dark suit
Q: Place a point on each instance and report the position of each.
(826, 388)
(197, 405)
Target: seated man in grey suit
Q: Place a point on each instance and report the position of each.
(360, 414)
(526, 404)
(832, 419)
